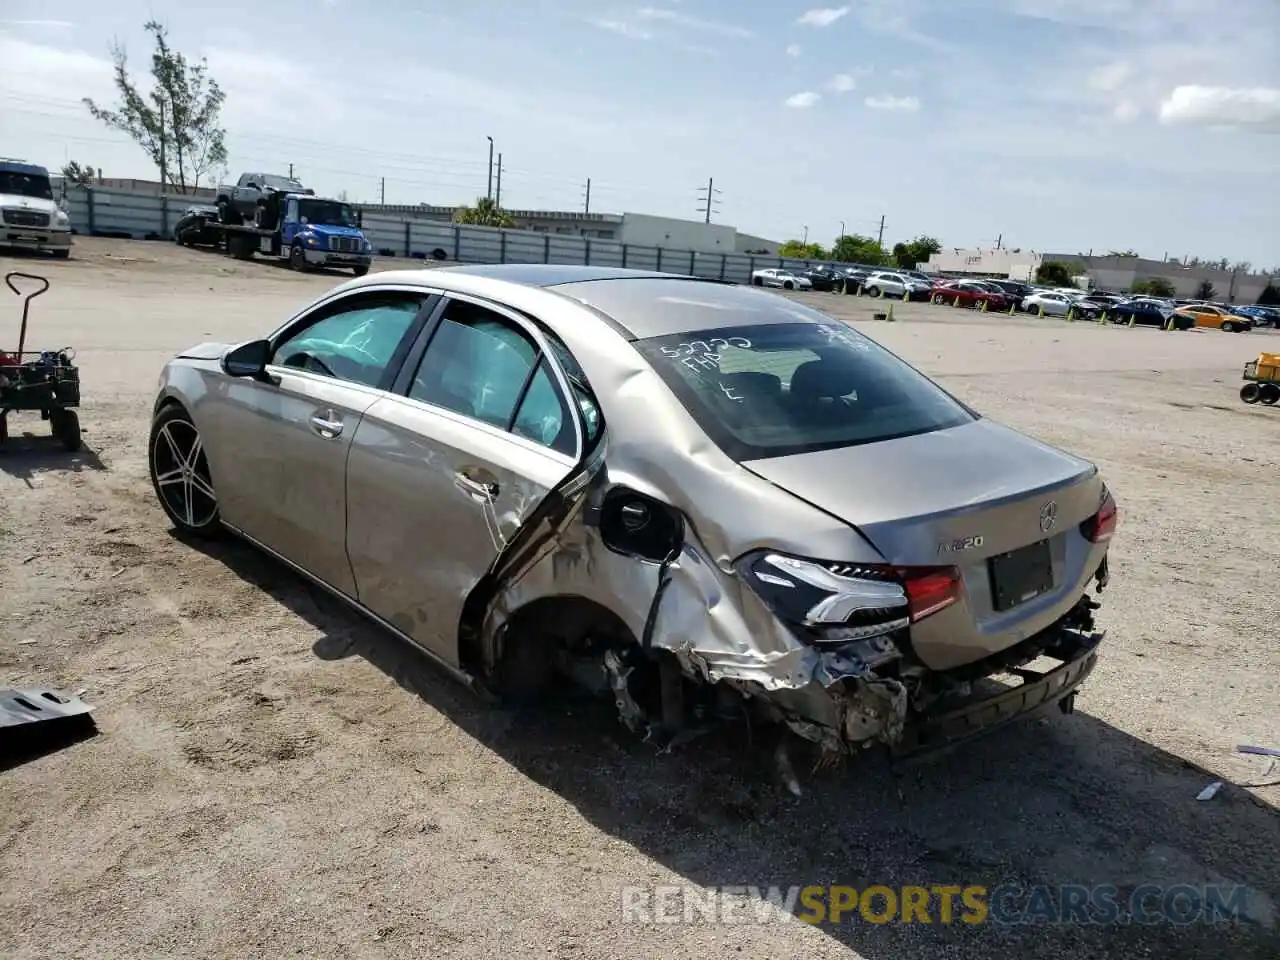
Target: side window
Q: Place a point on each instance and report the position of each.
(592, 419)
(478, 363)
(543, 416)
(354, 340)
(475, 365)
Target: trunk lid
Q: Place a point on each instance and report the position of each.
(960, 497)
(915, 497)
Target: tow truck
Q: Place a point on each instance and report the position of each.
(306, 230)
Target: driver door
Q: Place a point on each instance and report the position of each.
(283, 442)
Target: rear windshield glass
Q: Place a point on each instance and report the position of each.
(774, 390)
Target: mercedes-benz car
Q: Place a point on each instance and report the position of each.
(701, 500)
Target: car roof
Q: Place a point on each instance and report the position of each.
(637, 303)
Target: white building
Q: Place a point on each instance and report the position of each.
(992, 262)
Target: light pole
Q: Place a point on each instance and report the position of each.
(840, 242)
(489, 190)
(805, 241)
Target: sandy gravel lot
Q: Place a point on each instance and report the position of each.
(274, 778)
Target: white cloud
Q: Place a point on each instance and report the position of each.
(1257, 107)
(41, 24)
(33, 69)
(889, 102)
(803, 100)
(623, 28)
(822, 16)
(841, 83)
(794, 50)
(1110, 77)
(693, 23)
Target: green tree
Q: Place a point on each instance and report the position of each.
(176, 121)
(799, 250)
(855, 248)
(1054, 273)
(1270, 296)
(1206, 290)
(485, 213)
(1154, 287)
(909, 255)
(79, 176)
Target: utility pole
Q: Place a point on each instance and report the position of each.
(382, 192)
(489, 191)
(709, 201)
(498, 200)
(805, 241)
(586, 207)
(840, 242)
(291, 171)
(999, 240)
(880, 235)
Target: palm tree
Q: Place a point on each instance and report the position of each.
(485, 213)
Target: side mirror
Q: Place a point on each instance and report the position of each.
(248, 360)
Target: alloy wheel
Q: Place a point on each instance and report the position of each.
(181, 472)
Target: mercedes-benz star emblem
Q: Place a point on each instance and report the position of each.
(1048, 516)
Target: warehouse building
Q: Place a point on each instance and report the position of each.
(1118, 274)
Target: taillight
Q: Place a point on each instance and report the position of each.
(1102, 525)
(929, 589)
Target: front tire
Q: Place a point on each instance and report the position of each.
(788, 285)
(1249, 393)
(62, 254)
(298, 259)
(66, 428)
(180, 474)
(359, 271)
(1229, 327)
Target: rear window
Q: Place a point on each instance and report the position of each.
(779, 389)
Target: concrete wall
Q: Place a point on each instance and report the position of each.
(146, 216)
(1018, 264)
(644, 230)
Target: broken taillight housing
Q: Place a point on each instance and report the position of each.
(1102, 525)
(848, 601)
(929, 589)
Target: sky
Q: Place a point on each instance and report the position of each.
(1051, 125)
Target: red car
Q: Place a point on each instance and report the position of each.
(963, 293)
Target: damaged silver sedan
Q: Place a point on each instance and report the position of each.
(704, 501)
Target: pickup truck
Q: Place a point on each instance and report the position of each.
(242, 200)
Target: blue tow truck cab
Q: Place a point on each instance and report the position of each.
(306, 230)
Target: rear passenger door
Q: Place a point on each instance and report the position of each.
(442, 475)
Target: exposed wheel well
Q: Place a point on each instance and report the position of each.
(567, 622)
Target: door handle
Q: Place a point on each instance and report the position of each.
(327, 423)
(476, 489)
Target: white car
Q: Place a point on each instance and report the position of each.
(780, 278)
(893, 285)
(1057, 304)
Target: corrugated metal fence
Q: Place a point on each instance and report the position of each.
(102, 212)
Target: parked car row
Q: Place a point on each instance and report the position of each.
(1009, 295)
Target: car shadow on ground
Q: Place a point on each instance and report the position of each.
(28, 453)
(1054, 801)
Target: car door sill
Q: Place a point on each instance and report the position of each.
(458, 674)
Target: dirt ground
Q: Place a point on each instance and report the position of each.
(274, 778)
